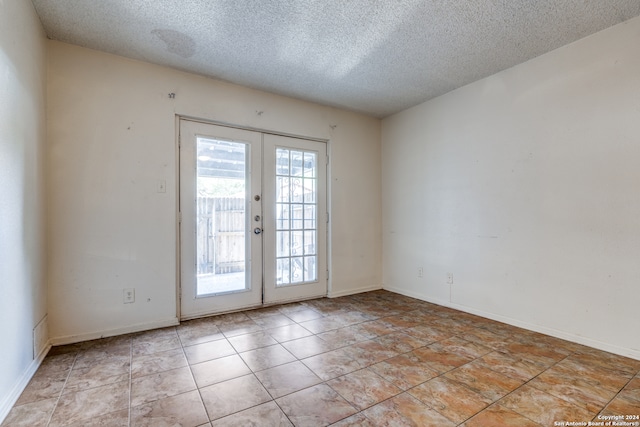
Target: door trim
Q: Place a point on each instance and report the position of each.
(186, 117)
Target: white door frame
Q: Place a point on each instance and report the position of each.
(178, 119)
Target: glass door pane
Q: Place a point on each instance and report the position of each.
(221, 216)
(220, 199)
(296, 210)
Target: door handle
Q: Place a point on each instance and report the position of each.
(257, 230)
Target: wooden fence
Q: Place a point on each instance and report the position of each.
(220, 236)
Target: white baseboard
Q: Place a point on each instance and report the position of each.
(71, 339)
(354, 291)
(621, 351)
(9, 400)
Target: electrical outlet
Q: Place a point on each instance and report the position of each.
(420, 272)
(128, 296)
(450, 278)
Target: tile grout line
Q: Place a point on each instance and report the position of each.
(184, 354)
(527, 382)
(62, 389)
(616, 395)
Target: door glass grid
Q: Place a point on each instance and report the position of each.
(296, 216)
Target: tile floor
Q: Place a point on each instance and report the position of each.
(366, 360)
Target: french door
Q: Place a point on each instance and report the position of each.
(253, 227)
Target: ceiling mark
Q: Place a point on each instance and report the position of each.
(176, 42)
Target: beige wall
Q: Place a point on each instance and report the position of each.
(525, 186)
(111, 137)
(23, 296)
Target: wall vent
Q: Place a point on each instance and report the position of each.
(40, 337)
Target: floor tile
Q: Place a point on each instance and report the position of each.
(274, 321)
(631, 391)
(379, 327)
(353, 317)
(439, 358)
(154, 335)
(428, 334)
(239, 328)
(292, 307)
(399, 342)
(510, 366)
(88, 404)
(343, 337)
(33, 414)
(208, 351)
(331, 364)
(304, 315)
(363, 388)
(252, 341)
(319, 405)
(627, 402)
(610, 376)
(217, 370)
(397, 360)
(67, 349)
(267, 414)
(113, 419)
(267, 357)
(155, 346)
(198, 332)
(488, 383)
(483, 337)
(288, 333)
(538, 354)
(43, 386)
(90, 358)
(158, 362)
(591, 397)
(285, 379)
(53, 364)
(307, 346)
(405, 410)
(368, 353)
(450, 398)
(323, 324)
(230, 319)
(356, 420)
(464, 348)
(497, 415)
(234, 395)
(603, 359)
(162, 384)
(184, 410)
(261, 313)
(544, 408)
(106, 371)
(404, 371)
(454, 326)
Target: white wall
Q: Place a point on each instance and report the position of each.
(111, 136)
(23, 296)
(526, 186)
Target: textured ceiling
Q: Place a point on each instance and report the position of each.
(372, 56)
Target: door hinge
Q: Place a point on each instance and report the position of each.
(327, 217)
(327, 159)
(179, 217)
